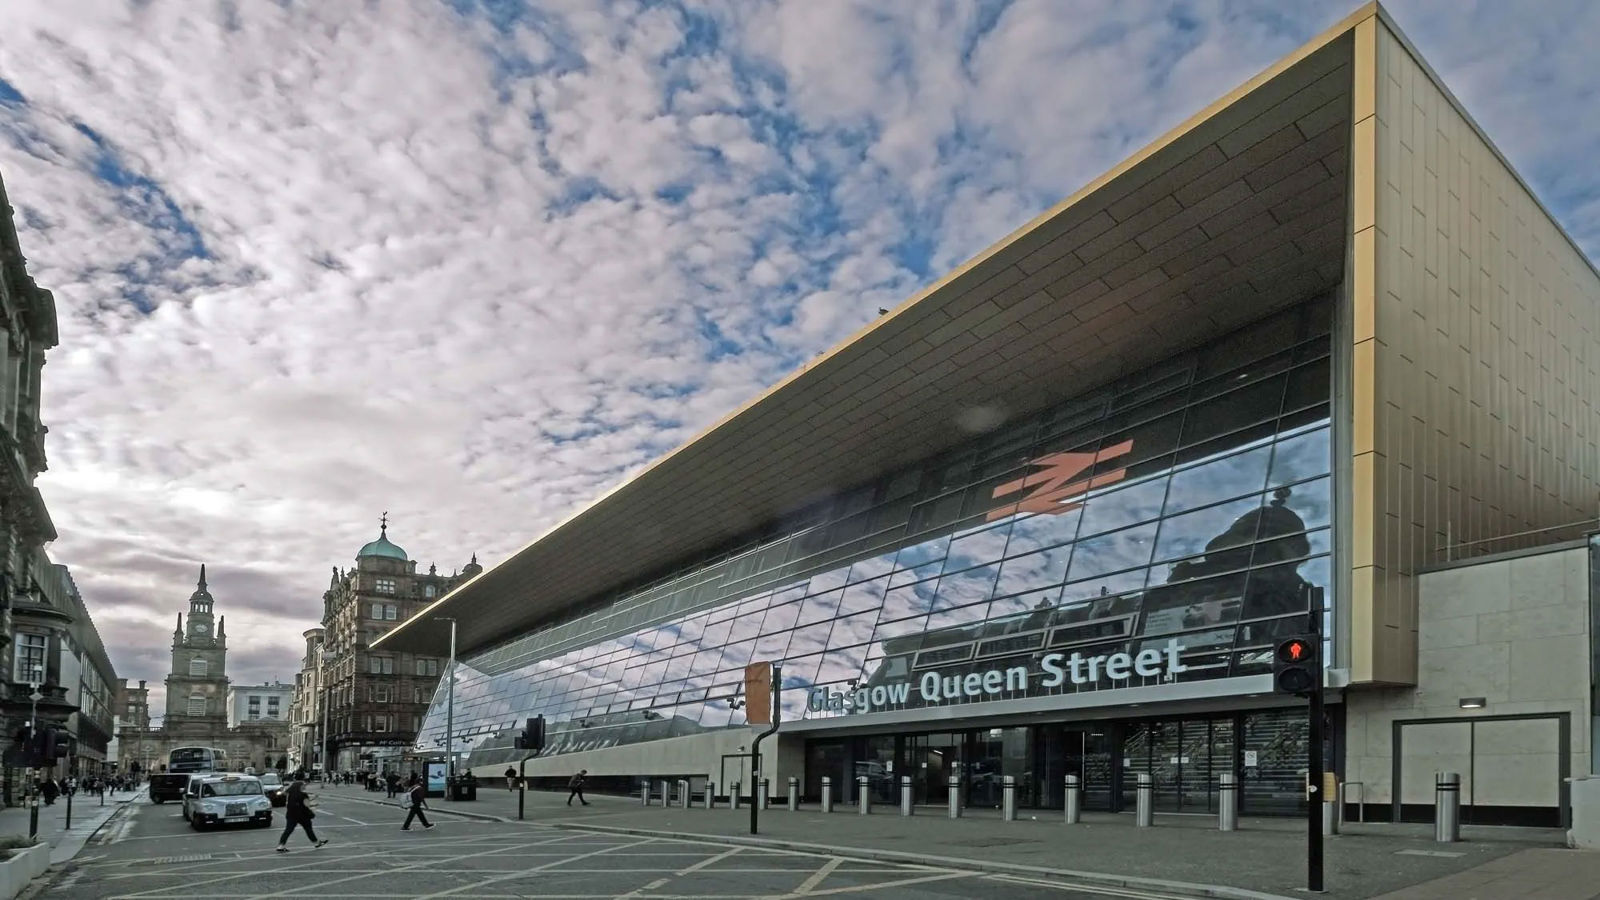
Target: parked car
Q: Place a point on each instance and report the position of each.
(216, 799)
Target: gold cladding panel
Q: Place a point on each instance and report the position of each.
(1475, 388)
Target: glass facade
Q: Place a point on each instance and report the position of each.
(1165, 528)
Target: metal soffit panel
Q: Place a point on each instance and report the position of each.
(1238, 213)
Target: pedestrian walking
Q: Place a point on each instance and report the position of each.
(297, 812)
(575, 787)
(49, 790)
(511, 779)
(419, 800)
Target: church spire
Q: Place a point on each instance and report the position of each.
(202, 578)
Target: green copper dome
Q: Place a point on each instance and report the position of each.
(383, 547)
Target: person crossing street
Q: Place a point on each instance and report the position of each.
(419, 799)
(575, 787)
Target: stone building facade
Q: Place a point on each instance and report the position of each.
(377, 700)
(197, 701)
(305, 709)
(27, 330)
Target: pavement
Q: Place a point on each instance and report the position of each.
(89, 813)
(1183, 854)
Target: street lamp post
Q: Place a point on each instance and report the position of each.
(450, 699)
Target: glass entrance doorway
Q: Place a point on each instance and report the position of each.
(933, 759)
(1084, 751)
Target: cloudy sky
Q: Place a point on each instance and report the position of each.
(472, 262)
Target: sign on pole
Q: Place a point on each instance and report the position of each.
(758, 693)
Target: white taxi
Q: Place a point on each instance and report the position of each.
(225, 799)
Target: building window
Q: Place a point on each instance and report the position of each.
(382, 665)
(380, 723)
(377, 610)
(197, 667)
(391, 612)
(427, 667)
(380, 694)
(385, 585)
(30, 657)
(197, 705)
(427, 591)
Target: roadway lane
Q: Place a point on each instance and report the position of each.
(149, 852)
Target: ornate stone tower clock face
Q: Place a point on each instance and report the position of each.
(200, 629)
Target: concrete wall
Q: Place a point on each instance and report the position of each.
(697, 754)
(1514, 631)
(1475, 324)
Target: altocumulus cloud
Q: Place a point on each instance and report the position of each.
(474, 262)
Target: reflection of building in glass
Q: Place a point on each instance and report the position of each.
(1178, 371)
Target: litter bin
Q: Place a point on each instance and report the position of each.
(465, 788)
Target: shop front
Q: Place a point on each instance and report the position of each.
(1184, 755)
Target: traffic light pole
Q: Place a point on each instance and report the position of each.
(1314, 798)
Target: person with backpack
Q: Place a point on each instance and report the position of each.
(297, 812)
(511, 778)
(419, 800)
(575, 787)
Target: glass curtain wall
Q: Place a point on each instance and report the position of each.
(1183, 512)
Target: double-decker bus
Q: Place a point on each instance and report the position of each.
(181, 763)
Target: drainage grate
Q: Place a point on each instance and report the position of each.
(166, 860)
(1442, 853)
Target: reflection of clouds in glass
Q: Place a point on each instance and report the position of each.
(1036, 570)
(922, 554)
(872, 568)
(978, 548)
(966, 587)
(1123, 506)
(1188, 534)
(1304, 456)
(863, 596)
(1230, 476)
(1110, 552)
(1039, 531)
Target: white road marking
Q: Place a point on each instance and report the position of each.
(816, 878)
(525, 872)
(710, 860)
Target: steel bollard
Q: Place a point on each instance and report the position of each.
(733, 795)
(1144, 808)
(666, 793)
(764, 794)
(863, 796)
(1228, 802)
(710, 799)
(1447, 807)
(683, 793)
(905, 795)
(794, 794)
(953, 785)
(644, 792)
(1074, 800)
(1330, 817)
(1008, 798)
(827, 794)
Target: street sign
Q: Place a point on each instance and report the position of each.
(758, 693)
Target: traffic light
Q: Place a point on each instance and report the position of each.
(532, 736)
(48, 746)
(1293, 666)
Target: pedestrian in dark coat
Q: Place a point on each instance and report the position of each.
(419, 799)
(50, 791)
(511, 779)
(575, 787)
(298, 814)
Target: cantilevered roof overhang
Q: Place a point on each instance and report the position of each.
(1236, 213)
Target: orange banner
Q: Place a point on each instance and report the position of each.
(758, 693)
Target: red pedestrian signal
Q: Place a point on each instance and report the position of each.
(1294, 650)
(1294, 666)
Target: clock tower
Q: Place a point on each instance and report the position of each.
(197, 687)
